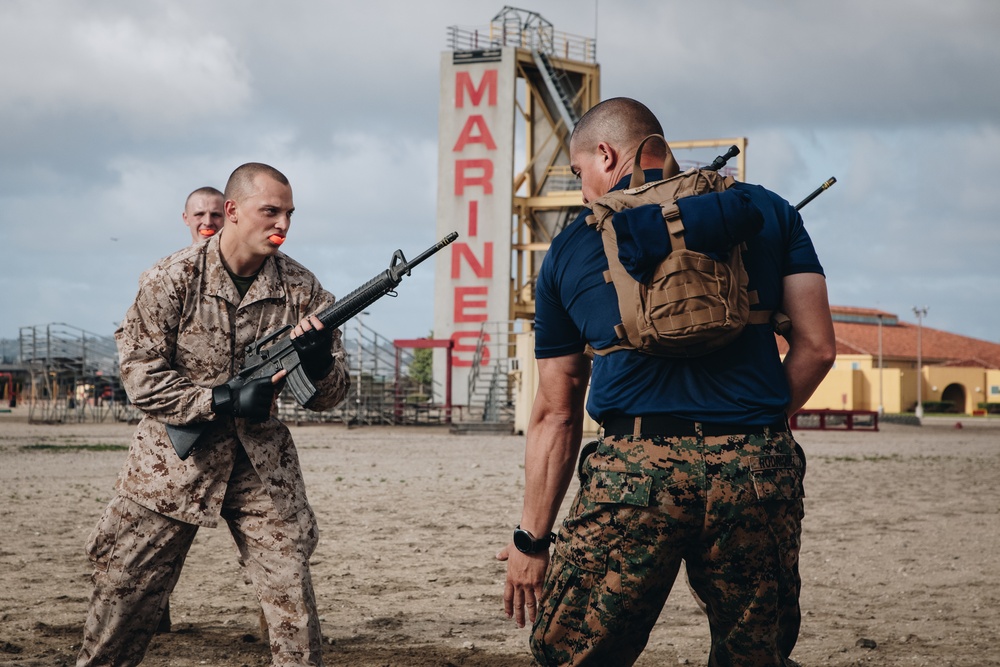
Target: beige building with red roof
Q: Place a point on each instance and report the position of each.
(961, 372)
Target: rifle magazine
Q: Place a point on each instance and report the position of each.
(302, 387)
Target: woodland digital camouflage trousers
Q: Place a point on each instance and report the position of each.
(138, 554)
(729, 506)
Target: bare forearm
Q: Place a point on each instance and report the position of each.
(812, 342)
(804, 373)
(549, 460)
(554, 433)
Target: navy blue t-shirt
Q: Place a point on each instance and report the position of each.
(742, 383)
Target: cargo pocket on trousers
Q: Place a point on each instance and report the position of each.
(576, 575)
(103, 540)
(627, 496)
(777, 480)
(582, 592)
(308, 531)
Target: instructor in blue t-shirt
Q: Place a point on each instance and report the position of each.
(696, 462)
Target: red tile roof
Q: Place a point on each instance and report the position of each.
(853, 310)
(900, 342)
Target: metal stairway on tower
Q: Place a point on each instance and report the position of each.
(560, 88)
(529, 30)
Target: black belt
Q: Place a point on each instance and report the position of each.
(665, 425)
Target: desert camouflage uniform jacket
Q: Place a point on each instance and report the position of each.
(185, 333)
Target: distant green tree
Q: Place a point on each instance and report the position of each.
(422, 366)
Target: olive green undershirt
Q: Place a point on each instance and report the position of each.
(242, 283)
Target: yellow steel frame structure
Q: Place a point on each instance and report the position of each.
(541, 198)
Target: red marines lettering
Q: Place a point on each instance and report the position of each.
(473, 179)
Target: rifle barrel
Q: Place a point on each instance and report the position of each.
(433, 249)
(400, 267)
(815, 193)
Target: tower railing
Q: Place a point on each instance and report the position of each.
(556, 43)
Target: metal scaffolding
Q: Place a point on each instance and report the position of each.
(72, 375)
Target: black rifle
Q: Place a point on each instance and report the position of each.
(280, 354)
(720, 162)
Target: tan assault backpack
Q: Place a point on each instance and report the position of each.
(693, 304)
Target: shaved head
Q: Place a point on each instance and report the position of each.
(208, 191)
(620, 121)
(240, 182)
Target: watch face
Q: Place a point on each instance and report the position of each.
(523, 541)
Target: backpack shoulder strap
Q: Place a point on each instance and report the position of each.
(670, 167)
(626, 288)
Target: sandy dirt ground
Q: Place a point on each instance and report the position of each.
(900, 562)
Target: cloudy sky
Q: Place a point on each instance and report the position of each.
(111, 111)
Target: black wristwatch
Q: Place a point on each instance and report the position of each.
(526, 543)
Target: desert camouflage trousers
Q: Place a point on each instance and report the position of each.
(730, 507)
(138, 555)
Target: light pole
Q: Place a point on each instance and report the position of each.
(881, 405)
(921, 313)
(357, 399)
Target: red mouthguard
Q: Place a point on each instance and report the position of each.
(276, 239)
(206, 232)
